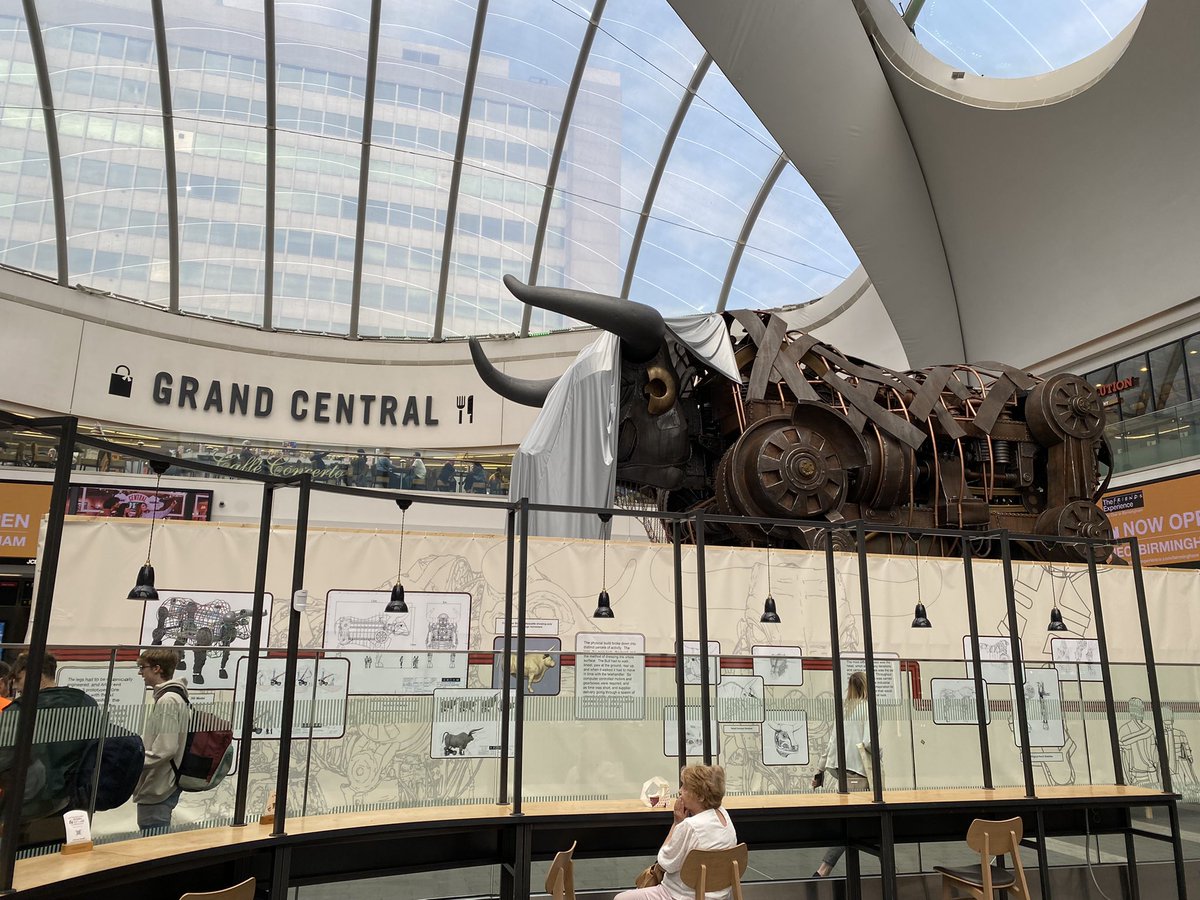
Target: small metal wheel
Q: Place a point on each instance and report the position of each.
(1076, 519)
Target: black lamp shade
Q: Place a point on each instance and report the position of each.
(144, 589)
(396, 604)
(920, 620)
(1056, 622)
(603, 607)
(770, 615)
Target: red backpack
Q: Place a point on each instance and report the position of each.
(208, 753)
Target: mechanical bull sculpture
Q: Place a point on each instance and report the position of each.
(812, 434)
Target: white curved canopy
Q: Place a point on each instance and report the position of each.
(1009, 233)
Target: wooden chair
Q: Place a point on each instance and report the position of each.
(243, 891)
(714, 870)
(560, 880)
(988, 839)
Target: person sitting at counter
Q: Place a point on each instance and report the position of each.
(447, 479)
(700, 823)
(417, 472)
(495, 482)
(476, 480)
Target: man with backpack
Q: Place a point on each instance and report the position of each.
(165, 737)
(67, 720)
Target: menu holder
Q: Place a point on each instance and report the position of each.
(268, 816)
(79, 832)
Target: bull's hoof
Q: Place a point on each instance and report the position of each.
(224, 673)
(198, 678)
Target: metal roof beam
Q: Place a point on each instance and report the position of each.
(560, 142)
(168, 118)
(685, 103)
(268, 323)
(460, 149)
(364, 166)
(735, 258)
(38, 48)
(911, 12)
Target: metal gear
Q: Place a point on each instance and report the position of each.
(1064, 406)
(782, 470)
(1077, 519)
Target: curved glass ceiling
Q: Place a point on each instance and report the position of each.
(373, 167)
(1016, 38)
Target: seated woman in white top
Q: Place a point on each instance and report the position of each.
(701, 823)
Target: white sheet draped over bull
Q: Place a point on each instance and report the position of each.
(569, 455)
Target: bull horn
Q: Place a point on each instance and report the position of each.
(640, 327)
(526, 391)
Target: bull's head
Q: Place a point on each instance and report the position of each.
(653, 433)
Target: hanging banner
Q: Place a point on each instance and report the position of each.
(1164, 516)
(22, 506)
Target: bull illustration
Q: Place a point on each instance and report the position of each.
(536, 666)
(785, 742)
(806, 432)
(202, 625)
(456, 744)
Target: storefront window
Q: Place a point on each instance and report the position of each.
(1134, 400)
(1168, 375)
(1100, 378)
(1191, 358)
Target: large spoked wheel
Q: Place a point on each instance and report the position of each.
(1064, 406)
(1078, 519)
(788, 471)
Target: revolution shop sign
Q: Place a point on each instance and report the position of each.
(1163, 515)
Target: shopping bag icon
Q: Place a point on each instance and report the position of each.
(120, 382)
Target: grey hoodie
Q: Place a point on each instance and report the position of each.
(165, 737)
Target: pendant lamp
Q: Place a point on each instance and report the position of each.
(770, 616)
(396, 602)
(920, 619)
(603, 604)
(1056, 619)
(144, 589)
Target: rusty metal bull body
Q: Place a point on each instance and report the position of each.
(814, 434)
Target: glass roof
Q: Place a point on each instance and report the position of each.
(1017, 38)
(373, 167)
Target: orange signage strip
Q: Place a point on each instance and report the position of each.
(22, 506)
(1164, 516)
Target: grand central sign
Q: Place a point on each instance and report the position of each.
(357, 395)
(325, 407)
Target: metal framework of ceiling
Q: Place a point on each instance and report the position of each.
(919, 185)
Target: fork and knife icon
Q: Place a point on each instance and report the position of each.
(465, 403)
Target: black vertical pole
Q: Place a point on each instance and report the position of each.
(293, 646)
(1105, 675)
(104, 720)
(981, 700)
(835, 658)
(1042, 854)
(702, 613)
(38, 632)
(505, 703)
(256, 623)
(522, 608)
(1014, 642)
(680, 693)
(1135, 557)
(1177, 847)
(869, 661)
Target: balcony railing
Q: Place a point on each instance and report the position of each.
(1156, 438)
